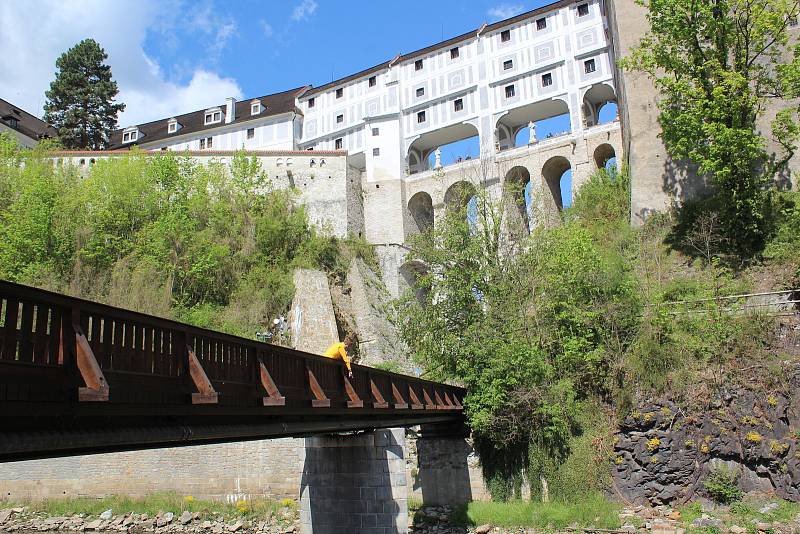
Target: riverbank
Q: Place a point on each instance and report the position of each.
(174, 514)
(162, 512)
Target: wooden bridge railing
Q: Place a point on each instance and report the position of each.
(55, 348)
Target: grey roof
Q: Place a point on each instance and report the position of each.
(29, 125)
(274, 104)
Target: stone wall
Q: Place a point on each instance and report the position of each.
(229, 472)
(312, 323)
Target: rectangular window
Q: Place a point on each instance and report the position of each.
(420, 117)
(375, 132)
(126, 137)
(541, 24)
(173, 127)
(202, 144)
(338, 144)
(589, 66)
(454, 53)
(509, 91)
(583, 10)
(418, 64)
(458, 104)
(373, 81)
(420, 91)
(340, 92)
(255, 108)
(311, 102)
(339, 119)
(547, 80)
(251, 133)
(505, 36)
(376, 151)
(209, 142)
(508, 64)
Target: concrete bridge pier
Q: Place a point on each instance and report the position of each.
(354, 483)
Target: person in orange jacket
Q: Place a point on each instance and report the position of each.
(338, 351)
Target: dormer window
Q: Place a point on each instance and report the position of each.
(172, 126)
(130, 135)
(255, 107)
(213, 116)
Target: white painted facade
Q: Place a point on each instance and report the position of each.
(489, 84)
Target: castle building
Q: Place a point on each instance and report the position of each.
(492, 85)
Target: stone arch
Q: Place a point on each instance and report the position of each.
(420, 206)
(553, 172)
(548, 117)
(410, 272)
(515, 184)
(603, 154)
(594, 99)
(458, 195)
(420, 151)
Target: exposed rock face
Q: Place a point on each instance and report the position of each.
(662, 454)
(312, 321)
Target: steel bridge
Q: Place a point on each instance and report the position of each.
(79, 377)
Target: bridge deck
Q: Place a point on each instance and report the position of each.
(77, 376)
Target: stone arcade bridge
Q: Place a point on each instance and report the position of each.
(80, 377)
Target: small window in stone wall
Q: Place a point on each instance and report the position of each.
(547, 80)
(338, 144)
(420, 117)
(251, 133)
(375, 132)
(373, 81)
(458, 104)
(508, 64)
(418, 64)
(339, 93)
(505, 36)
(583, 10)
(311, 102)
(509, 91)
(589, 66)
(376, 151)
(339, 119)
(541, 24)
(454, 53)
(420, 91)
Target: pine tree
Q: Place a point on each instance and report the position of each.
(80, 102)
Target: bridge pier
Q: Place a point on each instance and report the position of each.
(354, 483)
(445, 476)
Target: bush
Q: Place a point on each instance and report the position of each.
(721, 484)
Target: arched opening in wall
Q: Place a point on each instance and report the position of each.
(557, 176)
(532, 123)
(456, 143)
(599, 105)
(517, 200)
(420, 206)
(410, 273)
(458, 195)
(605, 157)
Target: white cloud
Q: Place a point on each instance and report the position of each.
(505, 11)
(304, 9)
(28, 63)
(266, 27)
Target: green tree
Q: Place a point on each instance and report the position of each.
(80, 102)
(717, 65)
(531, 327)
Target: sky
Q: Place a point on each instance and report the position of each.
(175, 56)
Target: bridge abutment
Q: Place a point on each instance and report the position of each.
(354, 483)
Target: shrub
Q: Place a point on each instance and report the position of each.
(721, 484)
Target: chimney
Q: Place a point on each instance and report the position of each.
(230, 109)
